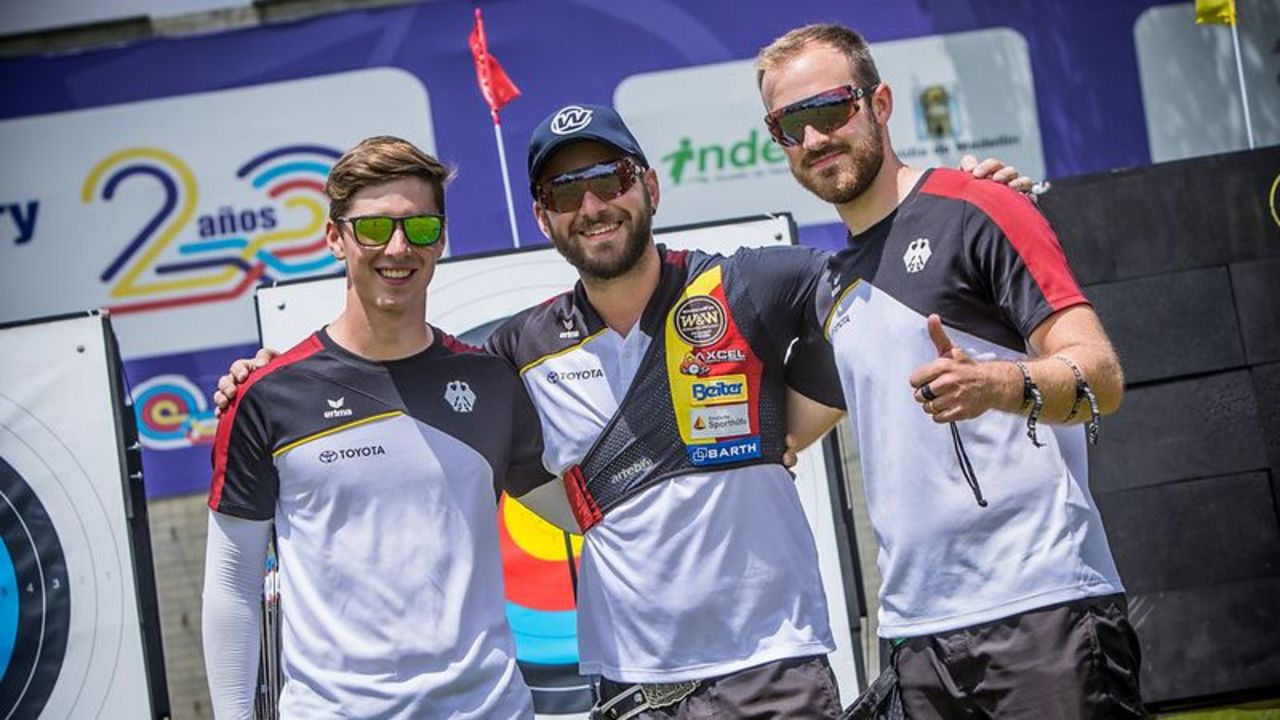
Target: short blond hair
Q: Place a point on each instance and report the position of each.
(839, 37)
(378, 160)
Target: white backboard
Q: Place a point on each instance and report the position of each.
(71, 643)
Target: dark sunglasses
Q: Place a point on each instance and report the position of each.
(825, 112)
(607, 180)
(422, 230)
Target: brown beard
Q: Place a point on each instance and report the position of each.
(837, 185)
(609, 268)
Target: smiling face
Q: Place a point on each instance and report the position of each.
(837, 167)
(391, 278)
(602, 239)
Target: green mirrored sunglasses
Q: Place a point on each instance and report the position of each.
(422, 230)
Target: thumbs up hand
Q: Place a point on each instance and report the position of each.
(953, 386)
(940, 340)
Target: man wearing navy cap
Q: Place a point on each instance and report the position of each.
(699, 590)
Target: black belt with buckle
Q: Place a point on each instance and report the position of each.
(635, 699)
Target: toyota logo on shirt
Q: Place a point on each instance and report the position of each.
(332, 456)
(555, 378)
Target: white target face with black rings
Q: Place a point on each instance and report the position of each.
(35, 607)
(60, 476)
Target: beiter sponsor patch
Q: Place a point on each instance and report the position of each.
(719, 389)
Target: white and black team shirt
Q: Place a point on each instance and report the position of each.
(701, 574)
(984, 259)
(382, 479)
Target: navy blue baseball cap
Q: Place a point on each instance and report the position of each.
(572, 123)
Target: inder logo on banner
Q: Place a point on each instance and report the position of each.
(169, 212)
(703, 129)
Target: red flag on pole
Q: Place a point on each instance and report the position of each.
(497, 88)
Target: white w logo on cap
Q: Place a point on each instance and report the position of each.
(570, 120)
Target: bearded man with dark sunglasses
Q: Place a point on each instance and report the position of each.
(377, 447)
(699, 591)
(970, 357)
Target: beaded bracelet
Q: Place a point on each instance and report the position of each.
(1031, 396)
(1083, 391)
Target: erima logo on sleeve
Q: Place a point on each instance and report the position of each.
(459, 396)
(337, 408)
(570, 332)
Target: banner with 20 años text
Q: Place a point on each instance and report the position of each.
(170, 212)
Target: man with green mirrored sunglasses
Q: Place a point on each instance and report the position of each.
(377, 446)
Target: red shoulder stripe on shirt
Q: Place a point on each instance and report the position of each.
(677, 258)
(1029, 233)
(222, 439)
(453, 344)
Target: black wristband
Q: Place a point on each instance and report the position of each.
(1031, 395)
(1083, 392)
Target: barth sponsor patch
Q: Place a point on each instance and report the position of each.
(729, 451)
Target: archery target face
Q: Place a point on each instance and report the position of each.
(70, 642)
(35, 607)
(470, 297)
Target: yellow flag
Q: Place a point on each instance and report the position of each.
(1215, 12)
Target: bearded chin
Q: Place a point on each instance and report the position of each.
(608, 268)
(846, 186)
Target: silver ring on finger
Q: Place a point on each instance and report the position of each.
(928, 407)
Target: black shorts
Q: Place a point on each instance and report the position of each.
(1074, 660)
(793, 688)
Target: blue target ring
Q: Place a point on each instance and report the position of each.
(35, 600)
(8, 608)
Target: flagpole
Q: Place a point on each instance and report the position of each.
(1244, 94)
(506, 180)
(498, 90)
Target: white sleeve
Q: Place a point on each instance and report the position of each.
(232, 615)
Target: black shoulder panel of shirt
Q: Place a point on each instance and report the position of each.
(568, 319)
(975, 252)
(319, 388)
(781, 281)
